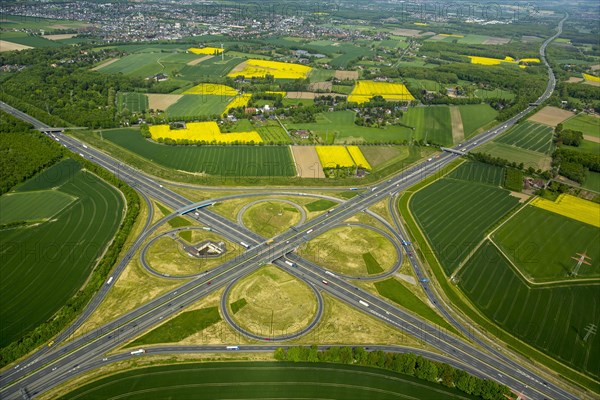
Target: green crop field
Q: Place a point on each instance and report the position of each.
(28, 40)
(479, 172)
(140, 64)
(592, 182)
(194, 105)
(494, 94)
(339, 126)
(210, 68)
(134, 102)
(430, 123)
(586, 146)
(541, 244)
(587, 124)
(455, 214)
(44, 265)
(33, 206)
(529, 136)
(551, 318)
(230, 161)
(261, 380)
(511, 153)
(273, 133)
(475, 116)
(320, 205)
(48, 25)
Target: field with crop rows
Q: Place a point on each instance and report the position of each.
(148, 64)
(193, 105)
(227, 161)
(53, 259)
(479, 172)
(364, 90)
(341, 156)
(511, 153)
(220, 380)
(209, 68)
(134, 102)
(551, 318)
(529, 136)
(455, 214)
(205, 50)
(213, 89)
(239, 101)
(541, 243)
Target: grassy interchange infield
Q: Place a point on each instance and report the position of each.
(276, 302)
(167, 256)
(461, 302)
(54, 258)
(551, 318)
(351, 250)
(270, 218)
(253, 380)
(231, 161)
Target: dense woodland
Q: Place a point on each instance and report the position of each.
(23, 152)
(408, 364)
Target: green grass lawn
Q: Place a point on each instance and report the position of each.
(586, 146)
(54, 259)
(238, 305)
(320, 205)
(33, 206)
(529, 158)
(195, 105)
(180, 327)
(373, 266)
(134, 102)
(139, 64)
(455, 214)
(261, 380)
(494, 94)
(551, 318)
(28, 40)
(592, 181)
(398, 293)
(229, 161)
(476, 116)
(541, 244)
(587, 124)
(339, 127)
(529, 136)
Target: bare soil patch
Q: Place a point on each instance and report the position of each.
(592, 83)
(406, 32)
(199, 60)
(458, 133)
(592, 138)
(238, 68)
(437, 37)
(162, 101)
(551, 116)
(60, 36)
(301, 95)
(307, 161)
(595, 67)
(324, 86)
(343, 75)
(10, 46)
(496, 40)
(105, 63)
(523, 197)
(574, 79)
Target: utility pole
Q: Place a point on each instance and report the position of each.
(590, 330)
(222, 53)
(582, 259)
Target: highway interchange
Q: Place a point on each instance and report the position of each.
(50, 367)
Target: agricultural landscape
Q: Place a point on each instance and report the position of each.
(359, 200)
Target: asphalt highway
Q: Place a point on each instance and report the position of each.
(51, 366)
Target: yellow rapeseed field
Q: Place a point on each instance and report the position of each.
(451, 35)
(530, 60)
(591, 78)
(212, 89)
(279, 70)
(486, 60)
(358, 157)
(274, 92)
(203, 131)
(364, 90)
(205, 50)
(343, 156)
(240, 101)
(421, 24)
(572, 207)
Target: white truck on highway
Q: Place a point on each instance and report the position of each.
(233, 347)
(291, 264)
(138, 352)
(364, 303)
(109, 280)
(246, 245)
